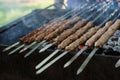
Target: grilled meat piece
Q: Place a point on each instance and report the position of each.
(82, 39)
(98, 34)
(105, 37)
(61, 29)
(68, 32)
(76, 35)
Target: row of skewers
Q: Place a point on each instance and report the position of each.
(68, 33)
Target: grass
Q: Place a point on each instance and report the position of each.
(8, 15)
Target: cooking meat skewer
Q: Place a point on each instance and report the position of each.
(62, 37)
(64, 16)
(28, 46)
(52, 27)
(58, 57)
(92, 31)
(56, 41)
(18, 48)
(42, 35)
(91, 41)
(63, 27)
(75, 27)
(81, 51)
(59, 30)
(30, 34)
(99, 43)
(50, 56)
(48, 29)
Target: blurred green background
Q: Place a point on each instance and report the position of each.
(13, 9)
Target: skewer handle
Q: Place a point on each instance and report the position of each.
(86, 61)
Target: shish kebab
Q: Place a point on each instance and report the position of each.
(65, 35)
(29, 45)
(59, 29)
(90, 41)
(100, 42)
(50, 26)
(54, 34)
(58, 57)
(64, 16)
(48, 30)
(41, 38)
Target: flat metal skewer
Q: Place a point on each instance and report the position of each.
(117, 64)
(37, 46)
(9, 47)
(86, 61)
(24, 49)
(46, 47)
(18, 48)
(51, 62)
(75, 57)
(46, 59)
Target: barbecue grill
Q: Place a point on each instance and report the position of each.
(15, 66)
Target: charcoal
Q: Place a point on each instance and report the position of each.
(114, 42)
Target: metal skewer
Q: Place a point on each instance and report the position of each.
(30, 52)
(9, 47)
(117, 64)
(87, 60)
(75, 57)
(18, 48)
(46, 47)
(50, 63)
(24, 49)
(46, 59)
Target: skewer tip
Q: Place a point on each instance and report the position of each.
(117, 64)
(9, 47)
(5, 49)
(79, 71)
(46, 59)
(26, 56)
(66, 65)
(22, 50)
(42, 50)
(10, 53)
(38, 72)
(46, 47)
(36, 67)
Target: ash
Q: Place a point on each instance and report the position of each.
(114, 42)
